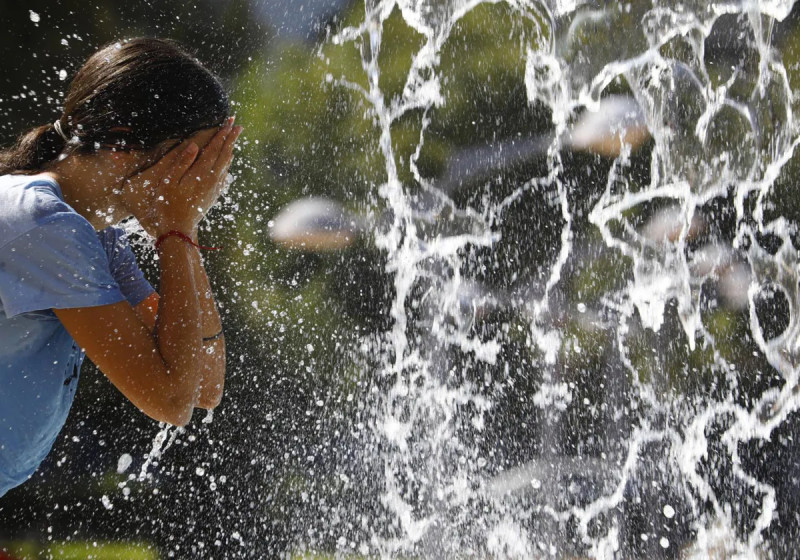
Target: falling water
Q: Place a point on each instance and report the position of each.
(662, 470)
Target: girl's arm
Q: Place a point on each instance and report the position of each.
(162, 372)
(213, 341)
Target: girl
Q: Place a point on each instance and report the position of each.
(145, 132)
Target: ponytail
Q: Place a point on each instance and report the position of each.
(33, 150)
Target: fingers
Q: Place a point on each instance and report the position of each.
(168, 159)
(213, 162)
(181, 162)
(207, 159)
(227, 144)
(226, 153)
(203, 137)
(223, 162)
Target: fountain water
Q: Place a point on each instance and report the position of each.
(635, 408)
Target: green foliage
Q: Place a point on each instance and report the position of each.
(79, 550)
(101, 551)
(309, 133)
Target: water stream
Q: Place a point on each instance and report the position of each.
(638, 412)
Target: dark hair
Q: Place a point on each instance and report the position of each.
(133, 94)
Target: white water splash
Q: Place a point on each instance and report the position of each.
(163, 440)
(709, 142)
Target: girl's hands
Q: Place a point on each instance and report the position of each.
(177, 191)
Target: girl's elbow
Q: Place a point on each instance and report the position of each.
(210, 396)
(179, 413)
(213, 383)
(175, 410)
(179, 421)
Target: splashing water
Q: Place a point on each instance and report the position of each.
(720, 139)
(161, 442)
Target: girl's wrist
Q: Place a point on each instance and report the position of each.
(170, 238)
(186, 229)
(188, 238)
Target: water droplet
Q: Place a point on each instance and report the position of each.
(124, 462)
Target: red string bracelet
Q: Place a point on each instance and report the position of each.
(181, 235)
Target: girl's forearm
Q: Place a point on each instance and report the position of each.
(214, 349)
(212, 324)
(179, 323)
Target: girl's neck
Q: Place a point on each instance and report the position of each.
(88, 188)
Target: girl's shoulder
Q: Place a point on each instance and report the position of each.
(31, 192)
(28, 201)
